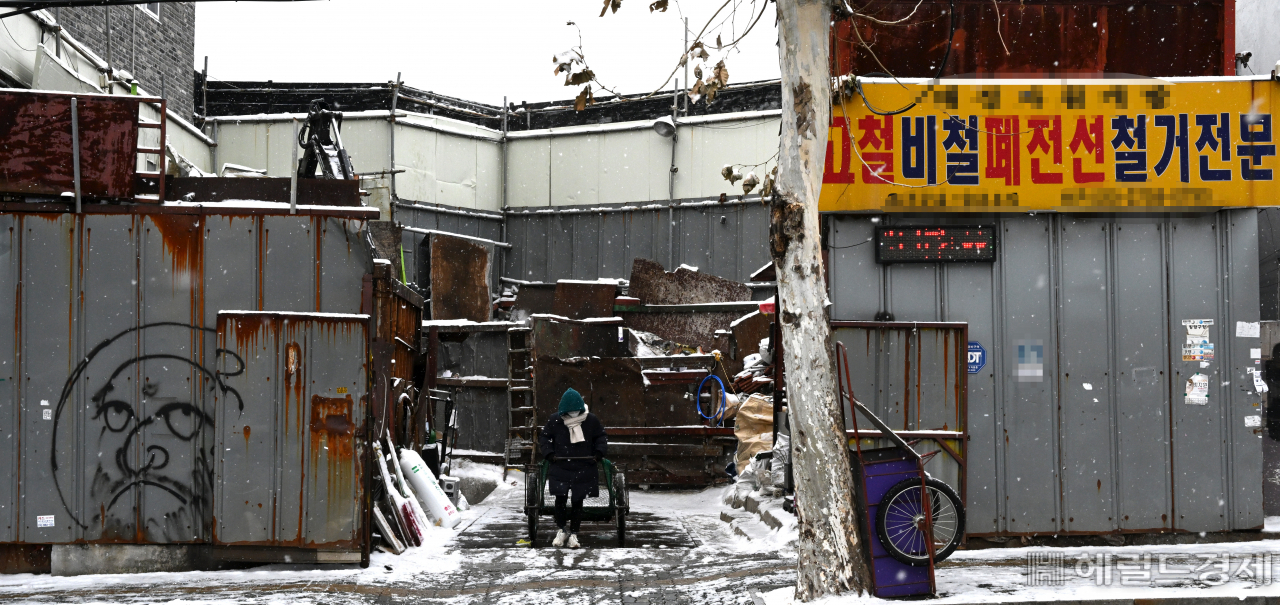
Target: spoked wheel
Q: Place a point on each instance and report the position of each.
(533, 528)
(900, 521)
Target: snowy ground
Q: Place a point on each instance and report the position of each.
(679, 551)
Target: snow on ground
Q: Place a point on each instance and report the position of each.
(679, 550)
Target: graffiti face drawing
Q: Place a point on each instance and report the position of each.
(149, 442)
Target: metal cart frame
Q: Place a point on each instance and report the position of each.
(613, 483)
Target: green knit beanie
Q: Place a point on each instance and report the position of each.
(571, 402)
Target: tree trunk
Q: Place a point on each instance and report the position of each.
(830, 549)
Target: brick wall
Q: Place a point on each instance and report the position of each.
(159, 54)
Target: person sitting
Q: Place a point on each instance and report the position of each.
(573, 441)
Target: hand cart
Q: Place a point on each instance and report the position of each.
(612, 504)
(908, 533)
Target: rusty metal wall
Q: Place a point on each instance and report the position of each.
(287, 417)
(730, 241)
(1160, 38)
(108, 372)
(1104, 441)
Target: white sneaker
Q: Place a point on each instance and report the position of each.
(560, 537)
(573, 541)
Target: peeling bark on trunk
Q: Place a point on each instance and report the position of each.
(831, 559)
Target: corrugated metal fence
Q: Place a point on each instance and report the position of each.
(109, 374)
(1105, 439)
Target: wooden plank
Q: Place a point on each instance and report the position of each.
(457, 381)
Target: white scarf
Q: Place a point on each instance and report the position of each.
(574, 423)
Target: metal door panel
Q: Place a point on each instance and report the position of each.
(51, 448)
(969, 296)
(1198, 431)
(335, 402)
(116, 425)
(1084, 394)
(245, 510)
(1242, 305)
(344, 261)
(1030, 433)
(1142, 377)
(913, 292)
(855, 277)
(288, 275)
(11, 417)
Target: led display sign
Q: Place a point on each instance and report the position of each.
(935, 244)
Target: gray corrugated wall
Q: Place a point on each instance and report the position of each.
(730, 241)
(1269, 261)
(1105, 297)
(112, 317)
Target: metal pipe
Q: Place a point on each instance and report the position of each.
(686, 68)
(671, 178)
(395, 96)
(446, 210)
(293, 174)
(470, 237)
(107, 9)
(503, 170)
(75, 150)
(204, 91)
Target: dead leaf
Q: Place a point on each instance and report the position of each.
(750, 182)
(727, 172)
(581, 77)
(583, 99)
(702, 53)
(697, 73)
(660, 6)
(718, 44)
(767, 189)
(720, 74)
(611, 4)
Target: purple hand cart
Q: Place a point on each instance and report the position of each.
(908, 533)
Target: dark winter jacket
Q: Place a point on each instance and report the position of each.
(553, 443)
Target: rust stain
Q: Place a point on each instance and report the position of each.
(246, 436)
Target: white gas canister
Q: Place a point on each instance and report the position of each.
(424, 483)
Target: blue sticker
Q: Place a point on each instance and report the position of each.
(977, 357)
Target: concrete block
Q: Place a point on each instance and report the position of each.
(476, 489)
(83, 559)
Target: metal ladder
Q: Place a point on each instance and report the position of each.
(522, 425)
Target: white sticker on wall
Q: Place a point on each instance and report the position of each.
(1253, 421)
(1259, 385)
(1197, 322)
(1197, 390)
(1248, 329)
(44, 520)
(1255, 353)
(44, 402)
(48, 414)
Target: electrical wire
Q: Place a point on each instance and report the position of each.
(950, 39)
(857, 87)
(15, 40)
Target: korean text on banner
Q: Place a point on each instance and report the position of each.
(1091, 145)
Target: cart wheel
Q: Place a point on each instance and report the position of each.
(900, 526)
(622, 526)
(533, 527)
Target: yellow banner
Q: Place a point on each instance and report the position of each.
(1076, 145)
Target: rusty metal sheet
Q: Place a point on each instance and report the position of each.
(1159, 39)
(311, 192)
(290, 415)
(580, 300)
(653, 285)
(688, 329)
(562, 340)
(35, 144)
(25, 558)
(534, 298)
(459, 278)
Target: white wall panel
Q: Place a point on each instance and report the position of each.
(575, 169)
(624, 165)
(416, 156)
(488, 176)
(528, 172)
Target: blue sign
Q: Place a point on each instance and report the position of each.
(977, 357)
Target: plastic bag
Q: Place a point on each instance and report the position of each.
(756, 475)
